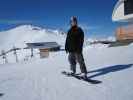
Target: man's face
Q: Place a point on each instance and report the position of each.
(73, 23)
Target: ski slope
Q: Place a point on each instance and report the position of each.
(41, 79)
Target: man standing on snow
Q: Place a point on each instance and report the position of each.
(74, 46)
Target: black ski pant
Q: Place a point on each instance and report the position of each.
(75, 58)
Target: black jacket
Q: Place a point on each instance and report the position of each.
(74, 40)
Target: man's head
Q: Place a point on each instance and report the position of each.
(74, 21)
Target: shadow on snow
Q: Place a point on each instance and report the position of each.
(110, 69)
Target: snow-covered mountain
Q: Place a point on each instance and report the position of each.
(27, 33)
(23, 34)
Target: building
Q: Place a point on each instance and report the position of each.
(125, 33)
(43, 47)
(123, 12)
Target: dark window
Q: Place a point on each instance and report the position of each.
(128, 7)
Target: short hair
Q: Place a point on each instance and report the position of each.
(74, 18)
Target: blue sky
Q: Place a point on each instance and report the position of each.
(94, 15)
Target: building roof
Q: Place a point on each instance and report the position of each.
(43, 45)
(123, 11)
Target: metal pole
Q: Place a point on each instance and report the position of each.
(4, 56)
(15, 53)
(32, 52)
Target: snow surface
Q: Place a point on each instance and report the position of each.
(41, 79)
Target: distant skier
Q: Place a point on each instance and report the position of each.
(74, 46)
